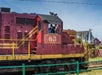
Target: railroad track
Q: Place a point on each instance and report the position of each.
(95, 64)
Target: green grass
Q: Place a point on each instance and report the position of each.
(93, 72)
(95, 59)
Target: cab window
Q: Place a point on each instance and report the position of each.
(39, 26)
(52, 28)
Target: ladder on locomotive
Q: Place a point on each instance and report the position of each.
(27, 38)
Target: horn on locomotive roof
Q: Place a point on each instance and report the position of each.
(52, 13)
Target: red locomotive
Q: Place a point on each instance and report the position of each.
(37, 37)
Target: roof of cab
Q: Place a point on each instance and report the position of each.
(51, 18)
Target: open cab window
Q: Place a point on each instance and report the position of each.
(39, 26)
(53, 28)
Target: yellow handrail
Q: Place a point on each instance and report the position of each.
(74, 42)
(28, 50)
(16, 39)
(13, 50)
(31, 31)
(9, 45)
(26, 38)
(34, 30)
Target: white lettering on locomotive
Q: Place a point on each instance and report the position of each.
(52, 38)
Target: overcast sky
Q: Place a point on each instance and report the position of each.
(80, 15)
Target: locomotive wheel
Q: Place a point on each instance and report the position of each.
(67, 68)
(61, 68)
(36, 70)
(72, 67)
(85, 65)
(45, 69)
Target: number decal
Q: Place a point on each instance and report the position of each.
(52, 38)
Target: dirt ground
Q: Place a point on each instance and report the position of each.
(94, 72)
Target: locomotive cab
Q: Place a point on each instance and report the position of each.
(49, 37)
(52, 34)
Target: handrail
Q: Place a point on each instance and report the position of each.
(16, 39)
(26, 38)
(34, 30)
(9, 45)
(31, 31)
